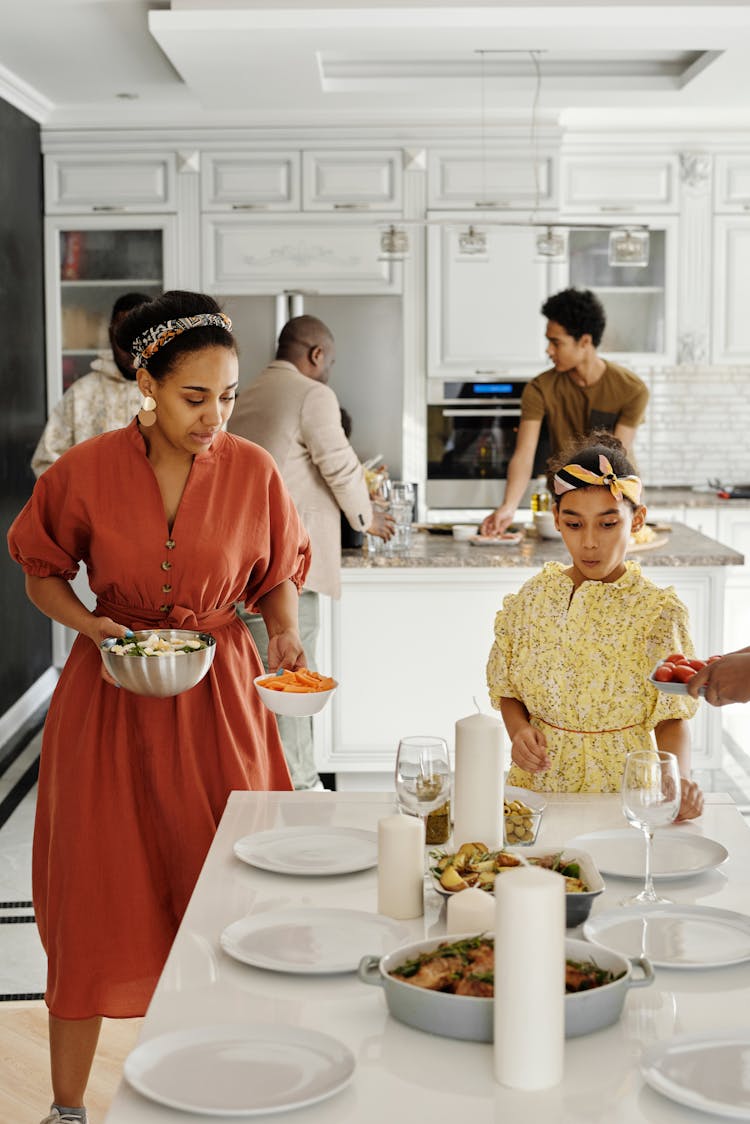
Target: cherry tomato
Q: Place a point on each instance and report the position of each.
(664, 673)
(675, 658)
(698, 665)
(683, 672)
(713, 659)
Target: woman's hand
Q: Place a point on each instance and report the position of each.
(691, 800)
(529, 749)
(101, 629)
(285, 650)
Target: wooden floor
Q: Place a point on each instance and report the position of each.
(24, 1063)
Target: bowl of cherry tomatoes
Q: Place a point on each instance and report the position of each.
(673, 673)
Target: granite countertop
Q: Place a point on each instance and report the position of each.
(686, 497)
(684, 547)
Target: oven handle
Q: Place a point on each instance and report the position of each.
(497, 413)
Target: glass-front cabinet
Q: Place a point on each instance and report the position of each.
(640, 301)
(90, 263)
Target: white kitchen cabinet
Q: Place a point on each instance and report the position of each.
(731, 290)
(613, 184)
(491, 179)
(483, 310)
(123, 181)
(428, 635)
(732, 184)
(640, 301)
(250, 181)
(243, 255)
(347, 179)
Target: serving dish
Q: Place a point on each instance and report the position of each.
(164, 675)
(293, 705)
(508, 538)
(471, 1017)
(670, 688)
(577, 905)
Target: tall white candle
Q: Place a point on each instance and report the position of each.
(401, 867)
(529, 1010)
(478, 781)
(470, 911)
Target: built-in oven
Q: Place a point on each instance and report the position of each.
(471, 436)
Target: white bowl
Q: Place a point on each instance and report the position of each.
(462, 532)
(544, 521)
(292, 705)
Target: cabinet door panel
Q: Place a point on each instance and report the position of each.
(125, 182)
(483, 311)
(267, 257)
(611, 184)
(351, 180)
(732, 183)
(249, 181)
(461, 179)
(731, 325)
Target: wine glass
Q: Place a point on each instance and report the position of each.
(650, 799)
(423, 775)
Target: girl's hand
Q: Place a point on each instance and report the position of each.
(691, 800)
(101, 629)
(285, 650)
(529, 750)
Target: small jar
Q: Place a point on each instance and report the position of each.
(438, 826)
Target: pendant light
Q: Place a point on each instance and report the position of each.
(551, 245)
(628, 246)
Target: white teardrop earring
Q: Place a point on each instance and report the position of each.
(147, 412)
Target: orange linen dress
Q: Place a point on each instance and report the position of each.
(131, 788)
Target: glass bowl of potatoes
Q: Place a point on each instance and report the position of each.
(523, 815)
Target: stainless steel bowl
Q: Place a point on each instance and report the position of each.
(471, 1018)
(160, 677)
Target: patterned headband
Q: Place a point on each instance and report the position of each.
(149, 342)
(578, 477)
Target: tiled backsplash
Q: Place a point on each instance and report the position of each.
(697, 426)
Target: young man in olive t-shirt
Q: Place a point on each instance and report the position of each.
(579, 393)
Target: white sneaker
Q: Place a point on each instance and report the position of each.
(56, 1118)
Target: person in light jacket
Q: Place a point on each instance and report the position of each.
(291, 412)
(106, 398)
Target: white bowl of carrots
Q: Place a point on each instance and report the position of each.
(295, 694)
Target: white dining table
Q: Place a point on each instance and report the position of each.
(403, 1074)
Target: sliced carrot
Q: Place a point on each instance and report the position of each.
(298, 682)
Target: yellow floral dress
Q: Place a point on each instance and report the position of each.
(580, 667)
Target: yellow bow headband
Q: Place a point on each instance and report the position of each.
(574, 476)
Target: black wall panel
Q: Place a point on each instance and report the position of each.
(25, 634)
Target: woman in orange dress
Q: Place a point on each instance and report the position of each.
(176, 520)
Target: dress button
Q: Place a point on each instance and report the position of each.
(166, 565)
(164, 608)
(170, 544)
(166, 589)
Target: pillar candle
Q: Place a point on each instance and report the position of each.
(401, 867)
(529, 1012)
(478, 781)
(470, 911)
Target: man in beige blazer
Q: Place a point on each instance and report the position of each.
(289, 410)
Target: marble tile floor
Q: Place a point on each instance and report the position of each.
(22, 959)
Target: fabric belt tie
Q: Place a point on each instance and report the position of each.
(565, 730)
(179, 616)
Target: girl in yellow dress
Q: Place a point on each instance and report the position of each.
(574, 647)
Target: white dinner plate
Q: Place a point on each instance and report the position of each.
(677, 853)
(710, 1072)
(310, 850)
(513, 539)
(673, 936)
(670, 688)
(311, 941)
(239, 1070)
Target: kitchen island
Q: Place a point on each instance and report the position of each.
(409, 639)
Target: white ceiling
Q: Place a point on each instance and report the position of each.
(296, 63)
